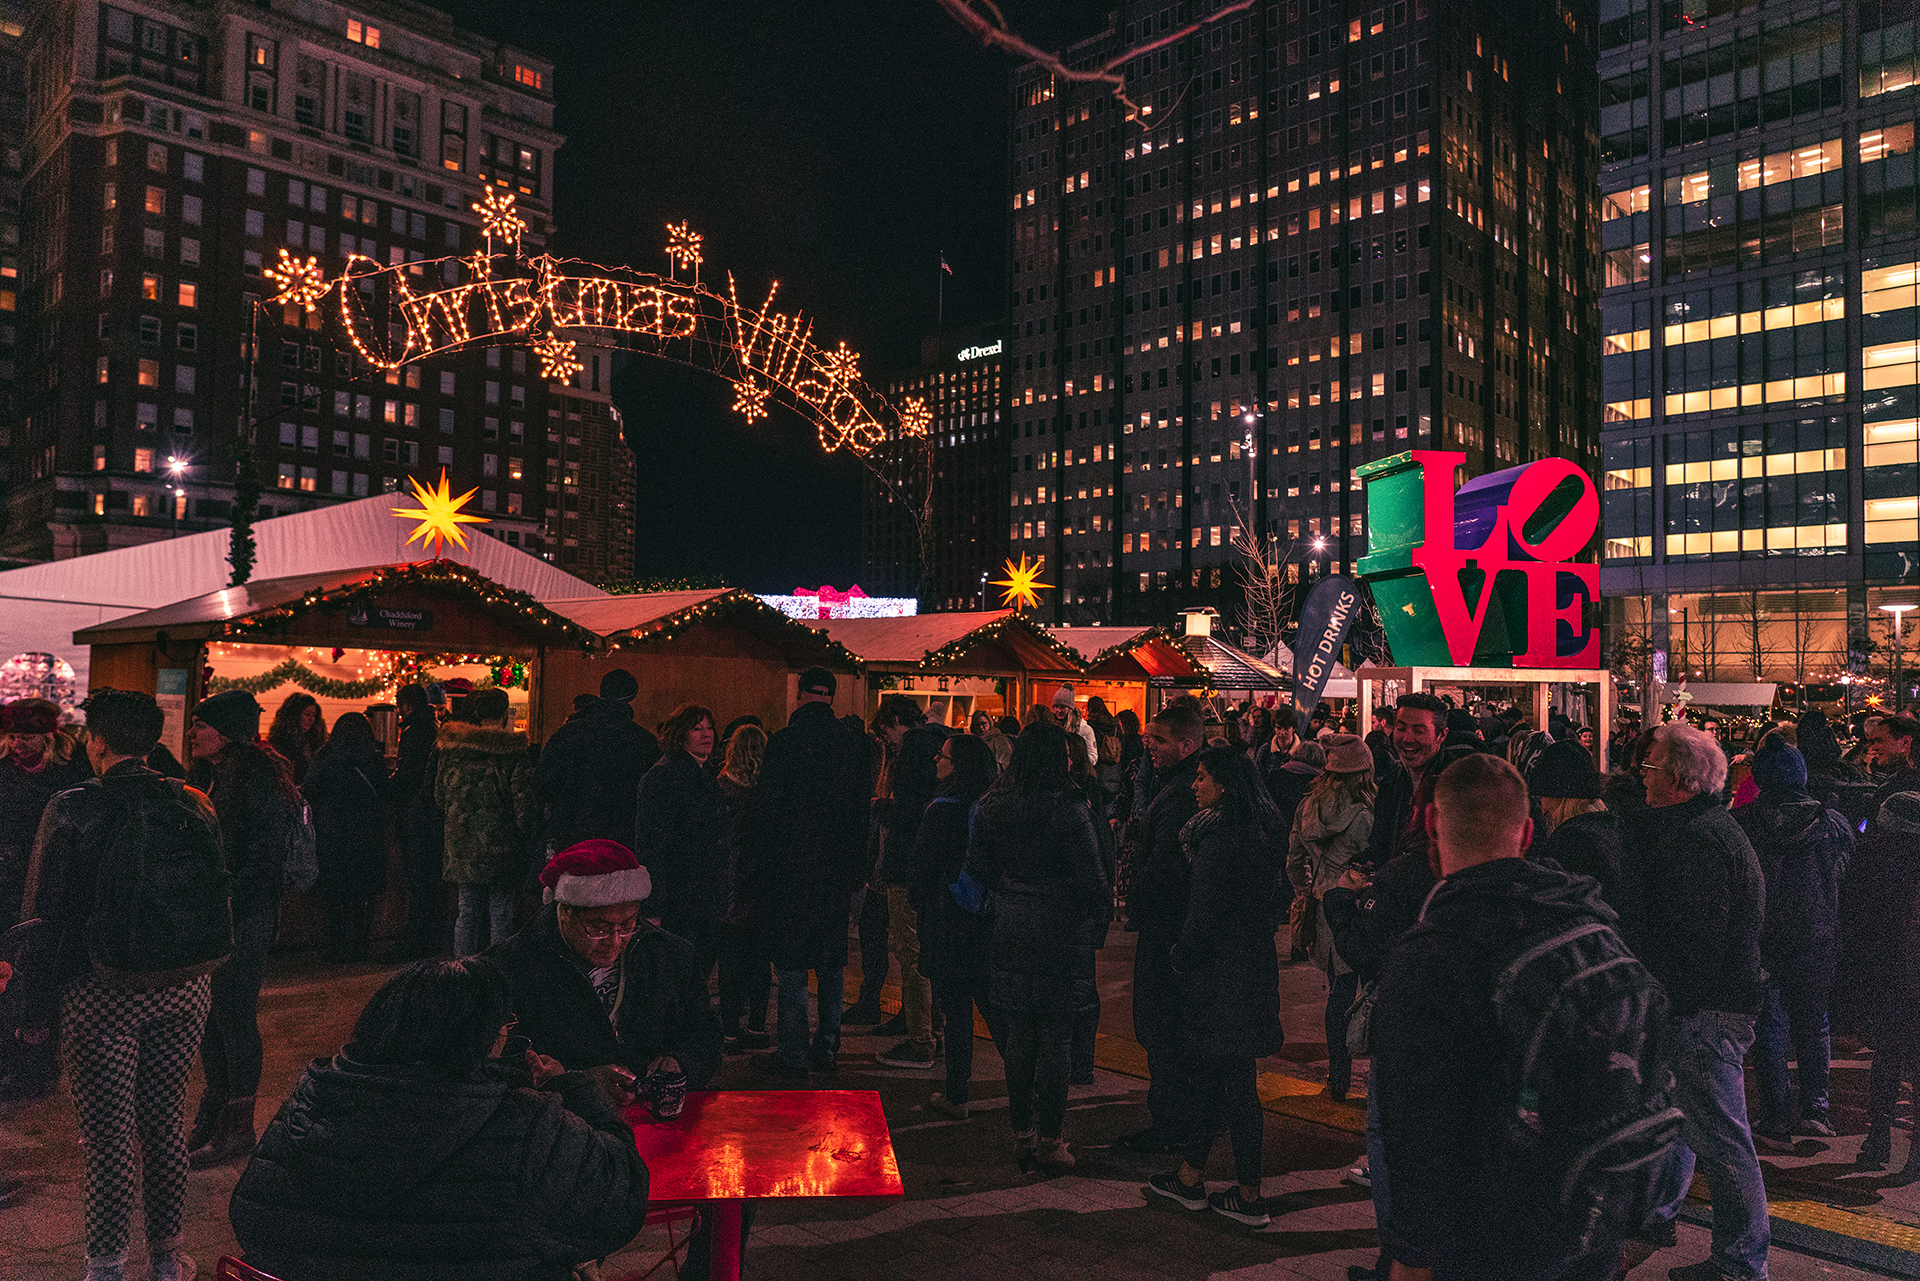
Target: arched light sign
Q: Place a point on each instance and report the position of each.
(1484, 577)
(498, 294)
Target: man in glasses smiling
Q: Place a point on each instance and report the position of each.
(601, 989)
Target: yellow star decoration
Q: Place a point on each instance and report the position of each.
(301, 280)
(915, 417)
(439, 515)
(1022, 583)
(683, 245)
(750, 399)
(557, 360)
(498, 218)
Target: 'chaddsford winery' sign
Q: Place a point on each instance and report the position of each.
(1485, 577)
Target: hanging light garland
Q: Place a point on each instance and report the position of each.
(957, 648)
(738, 605)
(293, 673)
(515, 606)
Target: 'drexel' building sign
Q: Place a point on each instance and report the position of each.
(1486, 576)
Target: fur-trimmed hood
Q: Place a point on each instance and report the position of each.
(456, 736)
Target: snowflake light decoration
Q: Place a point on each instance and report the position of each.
(1022, 583)
(841, 365)
(915, 417)
(558, 362)
(301, 281)
(498, 218)
(683, 246)
(750, 399)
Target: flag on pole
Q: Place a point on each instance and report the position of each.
(943, 264)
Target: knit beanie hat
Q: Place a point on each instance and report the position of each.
(1347, 754)
(594, 873)
(235, 713)
(1063, 697)
(1564, 770)
(1779, 767)
(619, 686)
(1901, 813)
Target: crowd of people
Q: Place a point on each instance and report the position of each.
(1557, 975)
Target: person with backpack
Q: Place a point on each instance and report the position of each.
(1697, 904)
(262, 823)
(129, 877)
(1525, 1106)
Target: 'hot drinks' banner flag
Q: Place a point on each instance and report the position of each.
(1324, 621)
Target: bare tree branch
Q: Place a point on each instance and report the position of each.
(1266, 595)
(984, 20)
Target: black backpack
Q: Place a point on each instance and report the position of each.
(1590, 1126)
(160, 913)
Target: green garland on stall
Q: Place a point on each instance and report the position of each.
(305, 677)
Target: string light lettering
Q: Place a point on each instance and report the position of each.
(490, 298)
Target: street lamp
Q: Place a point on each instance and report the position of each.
(1899, 613)
(176, 472)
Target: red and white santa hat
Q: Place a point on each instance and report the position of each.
(594, 873)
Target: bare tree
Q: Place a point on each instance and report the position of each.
(904, 468)
(1266, 597)
(984, 20)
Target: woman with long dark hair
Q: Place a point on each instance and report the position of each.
(1230, 973)
(347, 788)
(1034, 851)
(298, 733)
(437, 1143)
(418, 824)
(679, 834)
(1086, 1026)
(258, 804)
(746, 980)
(953, 952)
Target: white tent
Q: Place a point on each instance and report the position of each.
(42, 606)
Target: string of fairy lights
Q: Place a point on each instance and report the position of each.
(769, 356)
(736, 605)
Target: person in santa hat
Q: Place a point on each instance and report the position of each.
(602, 989)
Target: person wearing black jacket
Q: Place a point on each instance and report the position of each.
(1581, 835)
(1442, 1060)
(347, 788)
(252, 790)
(130, 1033)
(1803, 849)
(680, 834)
(1230, 975)
(1159, 882)
(589, 771)
(438, 1146)
(953, 942)
(1033, 851)
(418, 825)
(908, 787)
(1419, 728)
(802, 854)
(1695, 919)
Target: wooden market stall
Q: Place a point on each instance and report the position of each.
(953, 665)
(350, 637)
(1130, 666)
(722, 648)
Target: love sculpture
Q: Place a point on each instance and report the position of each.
(1484, 577)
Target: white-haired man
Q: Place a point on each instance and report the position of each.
(1694, 919)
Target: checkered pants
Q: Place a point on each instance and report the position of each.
(127, 1054)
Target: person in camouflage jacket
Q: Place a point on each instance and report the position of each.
(484, 785)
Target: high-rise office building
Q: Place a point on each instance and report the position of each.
(175, 149)
(1327, 233)
(1762, 368)
(589, 474)
(961, 390)
(13, 141)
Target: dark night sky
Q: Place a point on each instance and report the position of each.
(835, 147)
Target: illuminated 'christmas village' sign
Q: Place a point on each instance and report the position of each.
(1485, 577)
(499, 295)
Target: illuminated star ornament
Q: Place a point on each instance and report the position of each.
(750, 399)
(557, 360)
(915, 417)
(301, 281)
(1022, 583)
(439, 515)
(683, 247)
(498, 218)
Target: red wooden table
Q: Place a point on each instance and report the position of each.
(730, 1146)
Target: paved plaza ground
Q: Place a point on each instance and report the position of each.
(968, 1215)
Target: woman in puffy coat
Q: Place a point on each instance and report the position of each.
(1330, 833)
(680, 834)
(1229, 971)
(347, 788)
(1034, 855)
(437, 1145)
